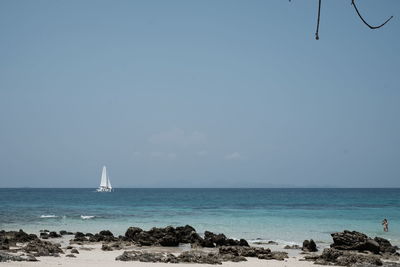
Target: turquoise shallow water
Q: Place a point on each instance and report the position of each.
(286, 215)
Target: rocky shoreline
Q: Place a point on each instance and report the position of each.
(348, 248)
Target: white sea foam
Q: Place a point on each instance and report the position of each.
(48, 216)
(86, 217)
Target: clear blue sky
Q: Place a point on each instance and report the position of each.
(199, 94)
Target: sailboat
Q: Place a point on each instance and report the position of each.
(105, 184)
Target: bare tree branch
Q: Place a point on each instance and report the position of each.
(363, 20)
(319, 15)
(353, 3)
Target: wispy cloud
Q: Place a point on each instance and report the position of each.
(233, 156)
(177, 136)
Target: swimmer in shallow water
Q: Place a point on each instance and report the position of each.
(385, 224)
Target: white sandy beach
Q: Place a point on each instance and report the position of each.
(99, 258)
(91, 254)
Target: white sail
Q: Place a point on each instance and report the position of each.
(109, 183)
(104, 179)
(105, 184)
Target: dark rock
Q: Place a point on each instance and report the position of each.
(13, 237)
(332, 256)
(147, 257)
(117, 245)
(170, 236)
(217, 239)
(4, 245)
(54, 235)
(232, 253)
(70, 256)
(44, 235)
(106, 247)
(372, 245)
(233, 258)
(186, 234)
(79, 234)
(231, 242)
(99, 238)
(132, 232)
(96, 238)
(158, 233)
(69, 247)
(385, 246)
(347, 240)
(185, 257)
(145, 239)
(261, 253)
(169, 241)
(194, 256)
(207, 243)
(74, 251)
(43, 248)
(123, 238)
(8, 257)
(221, 240)
(80, 237)
(106, 233)
(113, 246)
(103, 236)
(236, 251)
(278, 255)
(309, 245)
(243, 243)
(254, 252)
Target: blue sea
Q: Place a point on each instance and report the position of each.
(285, 215)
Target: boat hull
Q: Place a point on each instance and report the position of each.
(104, 189)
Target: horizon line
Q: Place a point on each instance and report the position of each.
(273, 187)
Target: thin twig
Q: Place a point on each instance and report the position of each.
(366, 23)
(319, 15)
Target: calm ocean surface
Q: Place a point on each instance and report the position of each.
(285, 215)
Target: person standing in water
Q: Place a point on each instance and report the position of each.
(385, 224)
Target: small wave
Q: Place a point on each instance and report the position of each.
(48, 216)
(87, 217)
